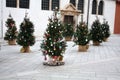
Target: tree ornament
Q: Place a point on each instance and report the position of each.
(54, 48)
(60, 47)
(49, 38)
(51, 44)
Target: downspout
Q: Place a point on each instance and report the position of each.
(88, 12)
(1, 19)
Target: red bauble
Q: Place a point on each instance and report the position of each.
(11, 24)
(55, 57)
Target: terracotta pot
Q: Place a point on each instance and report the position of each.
(105, 39)
(12, 42)
(83, 48)
(96, 43)
(68, 38)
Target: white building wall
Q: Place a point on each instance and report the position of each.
(0, 18)
(40, 17)
(108, 14)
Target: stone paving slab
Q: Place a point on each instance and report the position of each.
(98, 63)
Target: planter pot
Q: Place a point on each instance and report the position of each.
(12, 42)
(25, 49)
(54, 61)
(68, 38)
(105, 39)
(96, 43)
(82, 48)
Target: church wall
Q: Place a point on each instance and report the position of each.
(40, 17)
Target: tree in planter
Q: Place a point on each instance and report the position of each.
(81, 36)
(25, 35)
(11, 33)
(68, 31)
(53, 46)
(96, 33)
(106, 30)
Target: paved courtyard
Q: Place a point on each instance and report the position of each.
(99, 63)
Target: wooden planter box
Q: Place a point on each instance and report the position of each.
(96, 43)
(12, 42)
(68, 38)
(82, 48)
(25, 49)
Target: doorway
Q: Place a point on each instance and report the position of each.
(117, 19)
(68, 19)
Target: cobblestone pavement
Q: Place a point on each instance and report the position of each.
(98, 63)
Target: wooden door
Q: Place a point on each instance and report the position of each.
(117, 19)
(68, 19)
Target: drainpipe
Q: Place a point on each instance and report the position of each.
(88, 12)
(1, 19)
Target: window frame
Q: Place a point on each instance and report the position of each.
(53, 3)
(101, 7)
(10, 3)
(80, 6)
(23, 5)
(43, 6)
(94, 7)
(18, 4)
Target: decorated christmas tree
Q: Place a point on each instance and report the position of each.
(68, 31)
(81, 36)
(106, 30)
(11, 33)
(96, 32)
(26, 37)
(53, 46)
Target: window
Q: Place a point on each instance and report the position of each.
(55, 3)
(81, 5)
(100, 8)
(24, 3)
(11, 3)
(73, 2)
(45, 5)
(50, 4)
(94, 6)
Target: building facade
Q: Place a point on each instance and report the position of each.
(40, 10)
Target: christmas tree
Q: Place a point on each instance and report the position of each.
(96, 32)
(26, 37)
(53, 45)
(11, 33)
(81, 36)
(106, 30)
(68, 31)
